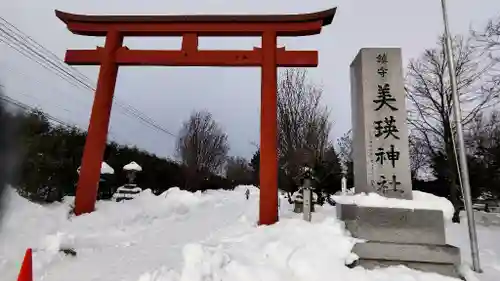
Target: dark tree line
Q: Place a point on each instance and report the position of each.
(50, 154)
(8, 162)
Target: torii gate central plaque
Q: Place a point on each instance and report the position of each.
(190, 28)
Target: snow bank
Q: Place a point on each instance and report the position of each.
(421, 200)
(25, 223)
(289, 250)
(183, 236)
(48, 228)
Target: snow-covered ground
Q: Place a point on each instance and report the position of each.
(181, 236)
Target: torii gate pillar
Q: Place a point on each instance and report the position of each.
(268, 171)
(113, 55)
(95, 143)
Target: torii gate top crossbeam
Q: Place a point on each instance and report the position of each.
(203, 25)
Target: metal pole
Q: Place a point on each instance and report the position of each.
(461, 149)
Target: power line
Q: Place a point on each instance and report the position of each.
(28, 56)
(27, 77)
(28, 108)
(26, 38)
(128, 108)
(13, 69)
(52, 64)
(28, 47)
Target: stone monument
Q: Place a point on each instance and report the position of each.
(394, 236)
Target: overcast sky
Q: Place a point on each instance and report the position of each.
(168, 95)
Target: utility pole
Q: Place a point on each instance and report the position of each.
(464, 171)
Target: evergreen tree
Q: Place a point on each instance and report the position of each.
(328, 172)
(255, 165)
(50, 156)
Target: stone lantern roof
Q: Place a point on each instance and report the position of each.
(132, 166)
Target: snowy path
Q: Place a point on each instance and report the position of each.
(160, 244)
(133, 243)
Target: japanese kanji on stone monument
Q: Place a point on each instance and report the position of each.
(380, 137)
(410, 236)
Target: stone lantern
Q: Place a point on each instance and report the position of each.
(131, 169)
(130, 190)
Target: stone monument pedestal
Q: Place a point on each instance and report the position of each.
(395, 236)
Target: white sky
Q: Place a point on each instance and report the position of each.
(168, 95)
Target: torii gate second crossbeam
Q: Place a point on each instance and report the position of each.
(190, 28)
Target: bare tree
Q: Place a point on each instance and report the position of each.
(419, 159)
(489, 38)
(202, 144)
(345, 150)
(304, 124)
(484, 135)
(344, 144)
(430, 99)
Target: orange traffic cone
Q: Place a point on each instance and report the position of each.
(26, 273)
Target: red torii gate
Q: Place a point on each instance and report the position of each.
(113, 54)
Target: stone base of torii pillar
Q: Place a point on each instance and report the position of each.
(411, 237)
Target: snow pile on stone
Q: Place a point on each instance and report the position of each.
(421, 200)
(298, 196)
(132, 166)
(105, 169)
